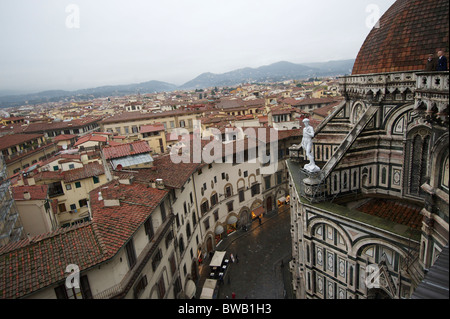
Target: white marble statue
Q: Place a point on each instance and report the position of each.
(308, 134)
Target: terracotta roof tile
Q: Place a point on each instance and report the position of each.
(36, 192)
(64, 137)
(127, 149)
(91, 137)
(409, 31)
(117, 224)
(16, 139)
(31, 264)
(395, 211)
(152, 128)
(88, 170)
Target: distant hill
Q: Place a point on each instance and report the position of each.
(278, 71)
(86, 94)
(271, 73)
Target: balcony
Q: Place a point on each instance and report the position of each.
(380, 86)
(55, 189)
(28, 151)
(431, 97)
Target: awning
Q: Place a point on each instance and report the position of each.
(208, 289)
(282, 199)
(217, 259)
(232, 220)
(258, 211)
(190, 289)
(219, 230)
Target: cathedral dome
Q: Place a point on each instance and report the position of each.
(408, 32)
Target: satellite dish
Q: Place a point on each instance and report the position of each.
(64, 146)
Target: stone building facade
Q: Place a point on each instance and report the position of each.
(375, 218)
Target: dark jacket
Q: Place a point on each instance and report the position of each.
(442, 64)
(431, 65)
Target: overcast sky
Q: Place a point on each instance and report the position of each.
(60, 44)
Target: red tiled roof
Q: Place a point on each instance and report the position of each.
(394, 210)
(64, 137)
(9, 140)
(59, 156)
(229, 103)
(281, 111)
(408, 31)
(114, 143)
(43, 127)
(324, 111)
(89, 138)
(49, 175)
(117, 224)
(29, 265)
(173, 175)
(152, 128)
(135, 116)
(36, 192)
(88, 170)
(126, 149)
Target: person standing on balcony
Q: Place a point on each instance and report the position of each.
(431, 63)
(441, 62)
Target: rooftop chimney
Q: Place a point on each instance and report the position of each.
(159, 183)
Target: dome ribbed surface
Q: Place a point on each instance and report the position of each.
(408, 31)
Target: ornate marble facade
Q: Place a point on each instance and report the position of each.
(389, 140)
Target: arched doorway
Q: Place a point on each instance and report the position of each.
(244, 217)
(209, 244)
(194, 271)
(269, 204)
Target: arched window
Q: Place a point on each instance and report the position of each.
(181, 244)
(383, 175)
(418, 151)
(188, 230)
(444, 175)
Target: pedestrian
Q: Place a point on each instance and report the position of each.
(431, 63)
(232, 258)
(233, 295)
(259, 219)
(441, 62)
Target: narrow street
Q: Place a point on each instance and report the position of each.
(263, 252)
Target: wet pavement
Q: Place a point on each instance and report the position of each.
(263, 252)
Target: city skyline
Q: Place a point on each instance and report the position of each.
(72, 45)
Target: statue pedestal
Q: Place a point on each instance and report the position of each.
(312, 187)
